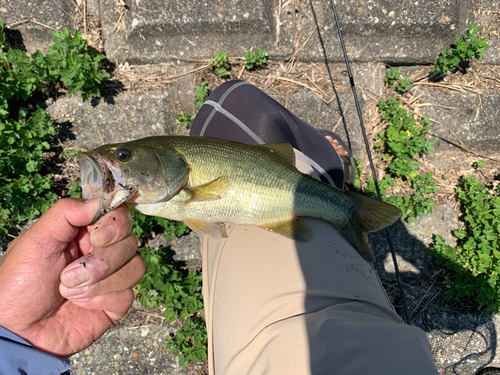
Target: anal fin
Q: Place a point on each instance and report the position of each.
(294, 229)
(283, 150)
(213, 230)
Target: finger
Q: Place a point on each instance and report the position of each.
(59, 225)
(114, 304)
(112, 227)
(99, 264)
(126, 277)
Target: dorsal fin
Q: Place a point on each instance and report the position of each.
(283, 150)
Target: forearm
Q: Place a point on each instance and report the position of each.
(19, 357)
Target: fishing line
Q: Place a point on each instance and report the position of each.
(365, 138)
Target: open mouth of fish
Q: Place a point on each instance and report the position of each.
(102, 179)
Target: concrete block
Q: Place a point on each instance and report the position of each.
(392, 31)
(115, 119)
(32, 36)
(471, 117)
(152, 31)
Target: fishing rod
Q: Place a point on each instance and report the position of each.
(365, 138)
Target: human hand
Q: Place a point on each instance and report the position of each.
(63, 283)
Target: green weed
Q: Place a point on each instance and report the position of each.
(185, 120)
(467, 47)
(404, 85)
(167, 284)
(221, 63)
(252, 60)
(169, 228)
(478, 164)
(25, 187)
(359, 171)
(201, 94)
(401, 141)
(474, 264)
(392, 76)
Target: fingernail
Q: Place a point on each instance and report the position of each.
(102, 235)
(75, 276)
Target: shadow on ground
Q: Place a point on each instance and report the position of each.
(462, 339)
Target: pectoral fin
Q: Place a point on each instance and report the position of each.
(213, 230)
(294, 229)
(207, 192)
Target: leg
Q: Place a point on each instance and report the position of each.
(275, 306)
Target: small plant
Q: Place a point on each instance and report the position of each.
(466, 48)
(384, 184)
(78, 67)
(221, 64)
(359, 171)
(402, 140)
(201, 94)
(474, 264)
(2, 35)
(478, 164)
(75, 191)
(252, 60)
(404, 85)
(392, 76)
(185, 120)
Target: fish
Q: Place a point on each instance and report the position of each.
(208, 182)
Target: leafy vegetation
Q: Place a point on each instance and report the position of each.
(253, 60)
(200, 95)
(401, 141)
(25, 130)
(221, 64)
(474, 264)
(392, 76)
(169, 228)
(166, 283)
(185, 120)
(359, 172)
(404, 85)
(466, 48)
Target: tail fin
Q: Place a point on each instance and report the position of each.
(371, 215)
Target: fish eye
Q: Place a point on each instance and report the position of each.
(123, 154)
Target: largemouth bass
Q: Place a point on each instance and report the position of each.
(207, 182)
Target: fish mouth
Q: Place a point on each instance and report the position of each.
(102, 179)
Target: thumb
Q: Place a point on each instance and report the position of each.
(61, 222)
